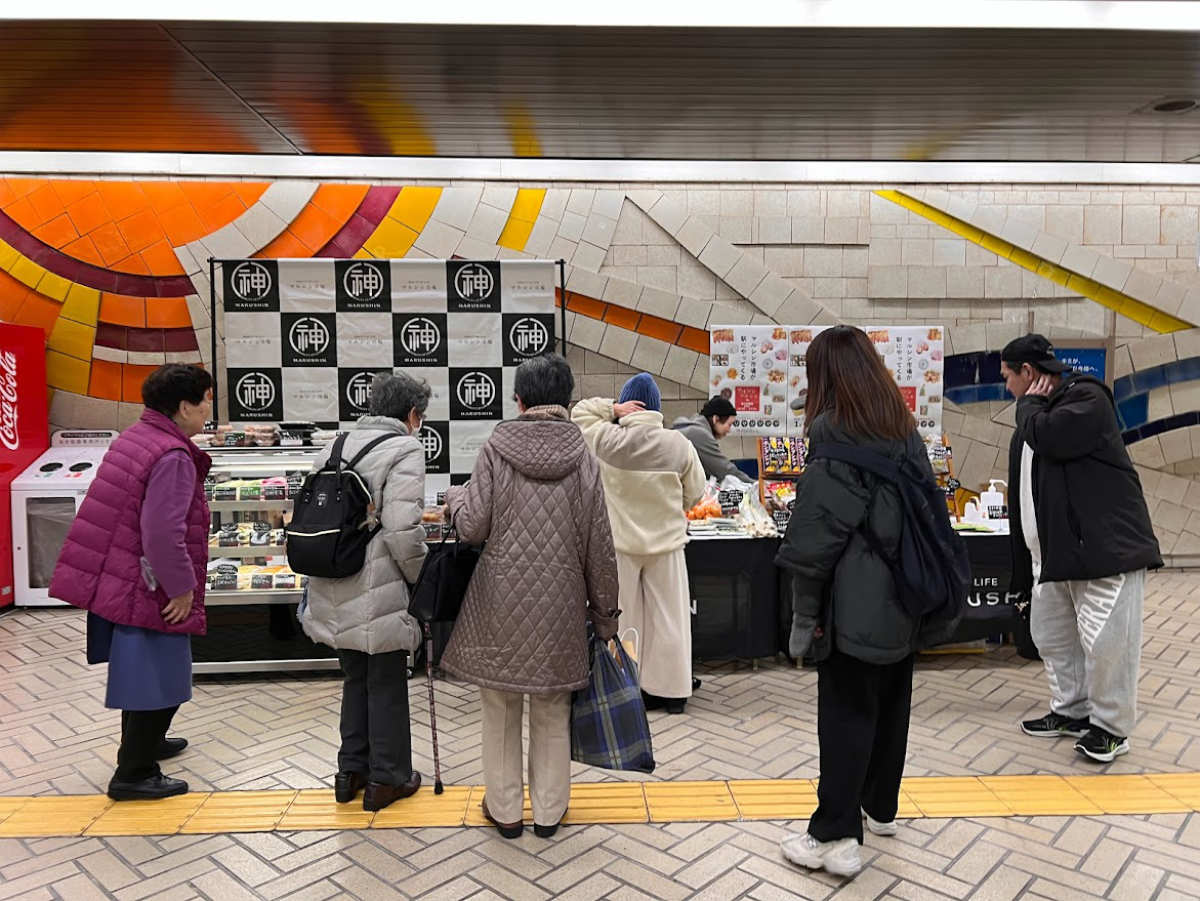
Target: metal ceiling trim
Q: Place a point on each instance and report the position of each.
(440, 169)
(1157, 15)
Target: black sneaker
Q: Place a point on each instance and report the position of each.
(1055, 725)
(1101, 745)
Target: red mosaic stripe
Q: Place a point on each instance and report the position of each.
(360, 226)
(87, 274)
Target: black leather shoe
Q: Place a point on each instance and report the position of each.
(378, 795)
(653, 702)
(545, 831)
(171, 747)
(506, 830)
(696, 683)
(675, 705)
(153, 789)
(346, 786)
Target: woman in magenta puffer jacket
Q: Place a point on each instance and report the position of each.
(135, 558)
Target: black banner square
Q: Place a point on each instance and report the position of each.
(435, 439)
(251, 286)
(255, 395)
(309, 339)
(354, 391)
(473, 286)
(526, 335)
(363, 286)
(419, 339)
(476, 393)
(459, 478)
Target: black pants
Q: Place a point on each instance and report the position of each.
(862, 725)
(142, 732)
(375, 727)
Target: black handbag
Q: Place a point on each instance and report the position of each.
(442, 584)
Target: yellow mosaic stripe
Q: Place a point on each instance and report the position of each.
(407, 217)
(1139, 311)
(521, 218)
(597, 802)
(33, 275)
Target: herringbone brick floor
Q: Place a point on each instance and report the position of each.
(57, 738)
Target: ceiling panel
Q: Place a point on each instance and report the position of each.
(785, 94)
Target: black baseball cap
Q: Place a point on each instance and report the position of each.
(718, 406)
(1036, 349)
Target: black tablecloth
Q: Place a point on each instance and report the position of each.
(736, 610)
(742, 602)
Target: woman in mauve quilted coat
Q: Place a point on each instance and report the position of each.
(536, 498)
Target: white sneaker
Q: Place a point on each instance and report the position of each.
(878, 828)
(839, 857)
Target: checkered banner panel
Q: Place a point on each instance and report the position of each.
(304, 338)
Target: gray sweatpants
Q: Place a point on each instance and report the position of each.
(1090, 637)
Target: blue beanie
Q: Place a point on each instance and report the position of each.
(642, 387)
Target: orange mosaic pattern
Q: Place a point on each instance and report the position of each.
(330, 208)
(121, 225)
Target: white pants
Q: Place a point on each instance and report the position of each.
(654, 599)
(1089, 634)
(549, 755)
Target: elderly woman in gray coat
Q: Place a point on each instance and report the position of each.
(537, 500)
(365, 616)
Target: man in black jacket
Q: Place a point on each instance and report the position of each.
(1082, 542)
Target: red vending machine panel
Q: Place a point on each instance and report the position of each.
(24, 426)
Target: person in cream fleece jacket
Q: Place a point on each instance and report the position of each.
(652, 476)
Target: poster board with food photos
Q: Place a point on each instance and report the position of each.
(762, 368)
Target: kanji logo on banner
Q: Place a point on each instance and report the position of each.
(354, 392)
(435, 441)
(363, 286)
(252, 286)
(420, 339)
(526, 336)
(308, 339)
(475, 394)
(257, 395)
(474, 287)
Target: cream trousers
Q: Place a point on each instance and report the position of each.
(549, 755)
(654, 599)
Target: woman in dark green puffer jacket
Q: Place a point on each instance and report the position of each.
(845, 609)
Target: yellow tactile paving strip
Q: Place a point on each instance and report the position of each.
(598, 802)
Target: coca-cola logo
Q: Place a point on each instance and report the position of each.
(8, 400)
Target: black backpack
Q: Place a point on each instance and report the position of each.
(333, 519)
(930, 567)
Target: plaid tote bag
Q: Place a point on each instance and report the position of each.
(608, 718)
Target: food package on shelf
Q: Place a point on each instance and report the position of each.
(782, 455)
(262, 435)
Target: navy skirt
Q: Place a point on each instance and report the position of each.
(148, 670)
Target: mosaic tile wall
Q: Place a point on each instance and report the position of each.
(115, 272)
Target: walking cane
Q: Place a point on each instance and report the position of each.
(438, 788)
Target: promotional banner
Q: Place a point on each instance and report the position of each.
(24, 425)
(304, 339)
(762, 368)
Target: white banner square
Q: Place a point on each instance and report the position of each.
(252, 340)
(310, 394)
(418, 286)
(364, 339)
(306, 286)
(474, 339)
(527, 286)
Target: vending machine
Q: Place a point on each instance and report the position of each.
(24, 427)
